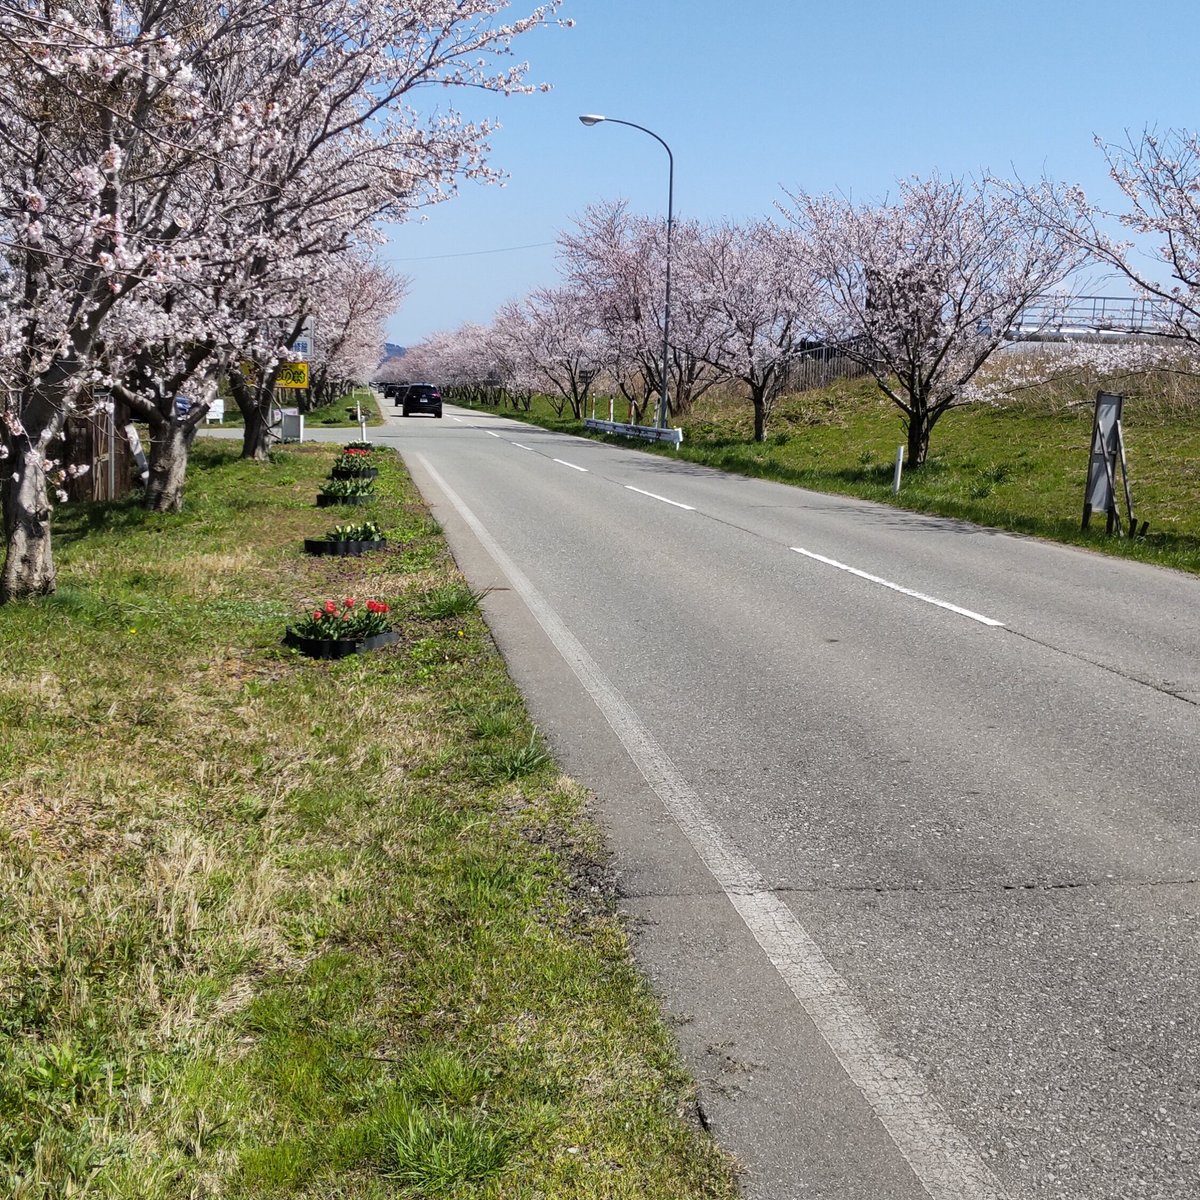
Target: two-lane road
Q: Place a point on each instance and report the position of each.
(904, 810)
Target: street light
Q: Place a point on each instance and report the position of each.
(590, 119)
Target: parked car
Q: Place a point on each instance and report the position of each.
(396, 393)
(423, 398)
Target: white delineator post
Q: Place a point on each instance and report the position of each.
(899, 469)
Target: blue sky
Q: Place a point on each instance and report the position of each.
(762, 95)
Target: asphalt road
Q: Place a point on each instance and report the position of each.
(903, 810)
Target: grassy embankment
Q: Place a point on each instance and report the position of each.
(1020, 466)
(273, 927)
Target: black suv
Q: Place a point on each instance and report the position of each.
(396, 392)
(421, 397)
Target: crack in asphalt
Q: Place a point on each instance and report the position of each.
(1161, 688)
(881, 889)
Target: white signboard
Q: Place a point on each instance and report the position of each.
(1101, 472)
(302, 346)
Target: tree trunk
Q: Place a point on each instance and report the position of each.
(256, 441)
(254, 403)
(170, 444)
(29, 565)
(760, 415)
(919, 427)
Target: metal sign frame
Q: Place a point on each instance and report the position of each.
(1107, 452)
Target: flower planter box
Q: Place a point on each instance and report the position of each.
(338, 647)
(350, 473)
(324, 501)
(344, 549)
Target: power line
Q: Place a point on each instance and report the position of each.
(475, 253)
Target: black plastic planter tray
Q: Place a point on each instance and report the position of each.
(344, 473)
(324, 501)
(343, 549)
(338, 647)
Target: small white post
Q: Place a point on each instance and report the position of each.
(610, 410)
(593, 408)
(362, 426)
(899, 469)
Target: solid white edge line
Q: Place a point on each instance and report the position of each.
(887, 583)
(656, 496)
(942, 1159)
(573, 467)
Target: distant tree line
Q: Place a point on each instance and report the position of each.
(918, 292)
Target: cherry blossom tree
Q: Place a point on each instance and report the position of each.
(349, 316)
(1158, 176)
(197, 162)
(98, 112)
(753, 293)
(550, 346)
(471, 363)
(615, 261)
(343, 144)
(924, 289)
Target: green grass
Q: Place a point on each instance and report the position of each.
(328, 416)
(1020, 466)
(274, 927)
(338, 415)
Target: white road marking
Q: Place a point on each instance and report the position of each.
(887, 583)
(460, 420)
(942, 1159)
(573, 467)
(521, 447)
(490, 433)
(656, 496)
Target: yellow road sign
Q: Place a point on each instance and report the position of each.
(292, 375)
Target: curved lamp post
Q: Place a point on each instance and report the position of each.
(591, 119)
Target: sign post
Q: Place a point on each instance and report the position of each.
(1107, 453)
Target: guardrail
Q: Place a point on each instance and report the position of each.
(649, 433)
(1076, 316)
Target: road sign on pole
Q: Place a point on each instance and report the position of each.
(302, 345)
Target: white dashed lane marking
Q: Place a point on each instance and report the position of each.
(655, 496)
(895, 587)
